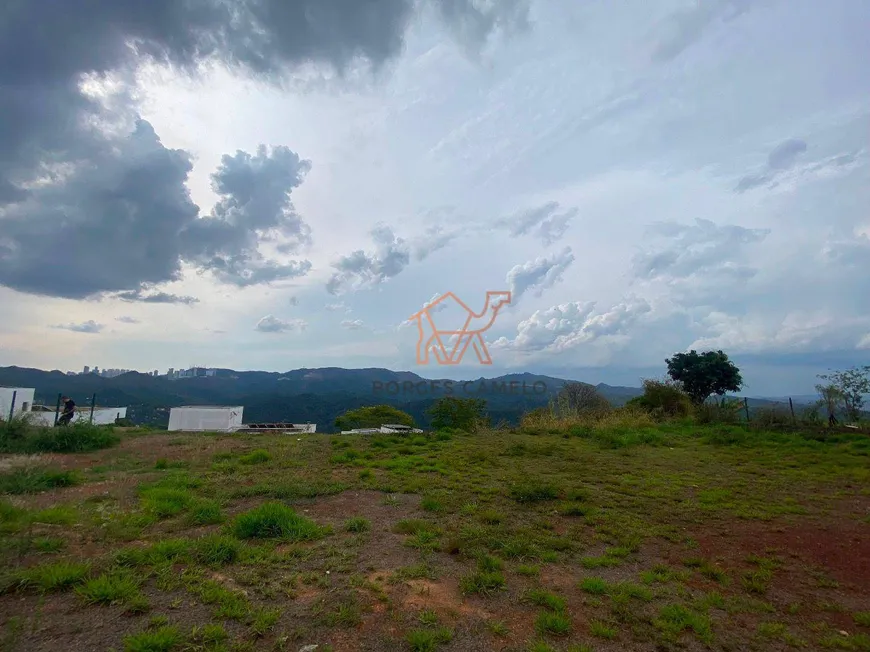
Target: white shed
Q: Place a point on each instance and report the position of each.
(23, 400)
(206, 418)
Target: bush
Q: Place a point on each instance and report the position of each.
(771, 417)
(580, 398)
(275, 521)
(663, 399)
(725, 412)
(76, 438)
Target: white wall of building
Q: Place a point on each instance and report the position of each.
(23, 400)
(205, 418)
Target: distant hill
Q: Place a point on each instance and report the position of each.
(313, 395)
(304, 395)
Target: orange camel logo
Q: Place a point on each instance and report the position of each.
(470, 333)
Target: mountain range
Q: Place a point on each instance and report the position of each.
(301, 395)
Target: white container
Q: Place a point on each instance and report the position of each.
(23, 401)
(206, 418)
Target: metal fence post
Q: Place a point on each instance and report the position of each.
(12, 407)
(57, 409)
(93, 403)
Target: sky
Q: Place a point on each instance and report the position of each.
(284, 184)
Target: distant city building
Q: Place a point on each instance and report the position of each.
(86, 370)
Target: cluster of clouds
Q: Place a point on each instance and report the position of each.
(93, 204)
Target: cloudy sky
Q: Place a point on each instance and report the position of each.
(284, 184)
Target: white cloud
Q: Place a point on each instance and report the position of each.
(539, 274)
(353, 324)
(89, 326)
(271, 324)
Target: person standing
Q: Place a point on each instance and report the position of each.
(69, 410)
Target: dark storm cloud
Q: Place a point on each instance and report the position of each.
(85, 210)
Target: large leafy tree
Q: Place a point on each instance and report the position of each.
(468, 414)
(373, 416)
(703, 374)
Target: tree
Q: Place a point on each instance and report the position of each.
(468, 414)
(852, 384)
(831, 399)
(703, 374)
(373, 416)
(577, 398)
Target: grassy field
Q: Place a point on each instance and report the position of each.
(647, 537)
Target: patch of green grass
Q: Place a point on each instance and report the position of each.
(482, 583)
(553, 623)
(675, 618)
(611, 557)
(31, 480)
(533, 492)
(227, 604)
(357, 524)
(488, 563)
(264, 620)
(542, 598)
(490, 517)
(162, 639)
(600, 629)
(498, 627)
(528, 570)
(48, 544)
(428, 640)
(428, 617)
(259, 456)
(575, 509)
(275, 521)
(430, 504)
(862, 618)
(412, 526)
(216, 550)
(205, 512)
(208, 634)
(110, 588)
(54, 576)
(594, 585)
(164, 502)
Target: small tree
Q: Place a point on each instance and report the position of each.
(578, 398)
(852, 385)
(373, 416)
(703, 374)
(468, 414)
(831, 398)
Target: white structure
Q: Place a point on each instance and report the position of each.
(206, 418)
(103, 416)
(23, 401)
(385, 429)
(280, 428)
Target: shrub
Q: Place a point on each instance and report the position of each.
(275, 520)
(76, 438)
(663, 399)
